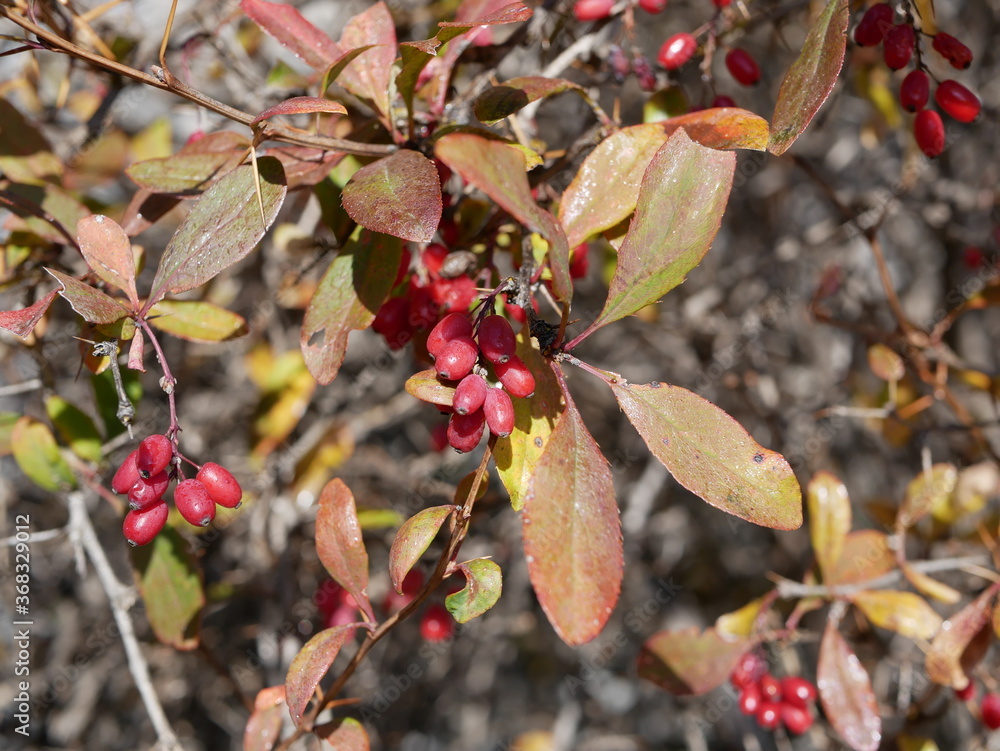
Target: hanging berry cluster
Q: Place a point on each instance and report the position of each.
(773, 702)
(901, 45)
(144, 477)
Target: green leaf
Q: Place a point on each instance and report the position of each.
(25, 154)
(108, 251)
(170, 583)
(413, 539)
(572, 533)
(75, 428)
(811, 78)
(399, 195)
(7, 422)
(497, 169)
(22, 322)
(829, 520)
(690, 662)
(263, 728)
(92, 304)
(710, 454)
(37, 454)
(339, 543)
(293, 32)
(47, 210)
(309, 667)
(197, 321)
(903, 612)
(926, 490)
(483, 583)
(182, 174)
(681, 202)
(504, 100)
(347, 299)
(845, 691)
(944, 657)
(517, 455)
(222, 228)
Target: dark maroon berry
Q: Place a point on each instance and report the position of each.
(515, 377)
(991, 711)
(723, 101)
(742, 66)
(392, 322)
(897, 49)
(873, 26)
(914, 91)
(465, 431)
(154, 454)
(644, 74)
(450, 327)
(797, 691)
(221, 485)
(457, 358)
(496, 339)
(126, 475)
(579, 261)
(928, 129)
(499, 410)
(147, 491)
(957, 101)
(192, 499)
(470, 394)
(952, 50)
(140, 527)
(677, 50)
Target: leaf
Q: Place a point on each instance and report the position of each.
(25, 154)
(903, 612)
(504, 100)
(92, 304)
(690, 662)
(108, 251)
(170, 583)
(944, 657)
(845, 691)
(740, 623)
(572, 532)
(310, 665)
(865, 555)
(22, 322)
(349, 735)
(829, 519)
(48, 211)
(428, 387)
(194, 168)
(263, 728)
(931, 587)
(399, 195)
(925, 491)
(498, 170)
(517, 455)
(710, 454)
(605, 190)
(413, 539)
(136, 351)
(197, 321)
(811, 78)
(885, 363)
(369, 77)
(339, 543)
(299, 105)
(293, 32)
(483, 583)
(221, 229)
(75, 428)
(37, 454)
(681, 202)
(347, 299)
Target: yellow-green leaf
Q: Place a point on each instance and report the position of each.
(740, 622)
(75, 428)
(829, 519)
(37, 454)
(197, 321)
(170, 583)
(925, 491)
(903, 612)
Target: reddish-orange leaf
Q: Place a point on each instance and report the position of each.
(690, 662)
(311, 665)
(293, 32)
(944, 658)
(845, 691)
(264, 725)
(299, 105)
(339, 543)
(92, 304)
(412, 540)
(23, 321)
(349, 735)
(108, 251)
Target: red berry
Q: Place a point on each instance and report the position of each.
(768, 715)
(952, 50)
(154, 454)
(411, 584)
(194, 502)
(914, 91)
(126, 475)
(797, 691)
(496, 339)
(749, 700)
(748, 670)
(770, 688)
(423, 310)
(433, 257)
(453, 295)
(797, 719)
(469, 394)
(392, 322)
(957, 101)
(404, 266)
(436, 624)
(653, 6)
(515, 377)
(592, 10)
(499, 411)
(897, 49)
(973, 257)
(450, 327)
(928, 129)
(449, 230)
(721, 3)
(457, 358)
(465, 431)
(677, 50)
(327, 597)
(968, 693)
(439, 436)
(340, 616)
(723, 101)
(221, 485)
(874, 24)
(140, 527)
(579, 261)
(742, 66)
(991, 711)
(148, 491)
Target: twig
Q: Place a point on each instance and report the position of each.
(43, 536)
(20, 388)
(121, 599)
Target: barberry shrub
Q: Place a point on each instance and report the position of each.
(471, 250)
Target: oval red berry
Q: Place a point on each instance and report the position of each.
(592, 10)
(221, 485)
(928, 129)
(465, 431)
(154, 454)
(140, 527)
(496, 339)
(195, 504)
(457, 358)
(499, 410)
(874, 24)
(147, 491)
(914, 91)
(126, 475)
(450, 327)
(469, 394)
(676, 51)
(515, 377)
(957, 101)
(742, 66)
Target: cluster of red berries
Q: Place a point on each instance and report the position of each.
(899, 41)
(143, 477)
(989, 709)
(464, 354)
(771, 701)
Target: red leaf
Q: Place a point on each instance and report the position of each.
(91, 303)
(135, 352)
(299, 105)
(264, 726)
(846, 693)
(108, 251)
(293, 32)
(572, 533)
(944, 658)
(339, 543)
(310, 666)
(690, 662)
(369, 77)
(23, 321)
(412, 540)
(399, 195)
(350, 735)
